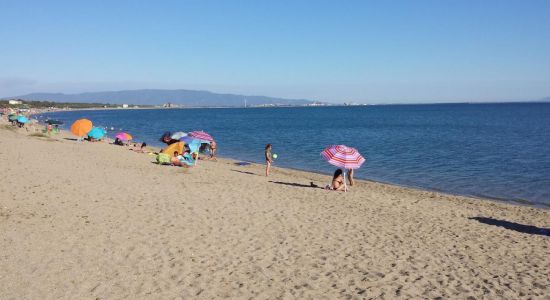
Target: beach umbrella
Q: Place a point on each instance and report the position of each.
(189, 139)
(201, 135)
(344, 157)
(13, 117)
(178, 135)
(123, 136)
(96, 133)
(22, 119)
(194, 145)
(54, 122)
(81, 127)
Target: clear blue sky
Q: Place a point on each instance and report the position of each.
(362, 51)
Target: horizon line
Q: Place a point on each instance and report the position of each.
(338, 102)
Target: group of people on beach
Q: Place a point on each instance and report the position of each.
(180, 154)
(338, 180)
(188, 158)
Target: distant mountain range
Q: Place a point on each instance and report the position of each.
(159, 97)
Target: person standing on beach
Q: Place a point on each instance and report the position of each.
(213, 149)
(268, 159)
(350, 177)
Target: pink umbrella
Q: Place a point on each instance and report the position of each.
(123, 136)
(201, 135)
(344, 157)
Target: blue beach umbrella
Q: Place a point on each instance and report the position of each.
(22, 119)
(96, 133)
(178, 135)
(194, 145)
(189, 139)
(186, 139)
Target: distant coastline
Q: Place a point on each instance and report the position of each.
(155, 97)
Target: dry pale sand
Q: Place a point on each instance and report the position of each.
(96, 221)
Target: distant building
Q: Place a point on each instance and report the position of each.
(15, 102)
(316, 104)
(124, 105)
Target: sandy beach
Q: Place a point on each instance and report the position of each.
(96, 221)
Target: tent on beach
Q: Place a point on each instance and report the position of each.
(178, 146)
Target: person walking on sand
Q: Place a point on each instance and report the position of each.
(268, 159)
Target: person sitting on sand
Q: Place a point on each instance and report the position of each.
(118, 142)
(141, 148)
(337, 181)
(185, 160)
(174, 160)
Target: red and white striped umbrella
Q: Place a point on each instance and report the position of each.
(201, 135)
(343, 156)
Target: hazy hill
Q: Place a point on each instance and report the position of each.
(156, 97)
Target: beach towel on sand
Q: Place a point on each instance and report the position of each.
(163, 159)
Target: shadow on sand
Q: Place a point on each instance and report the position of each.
(513, 226)
(70, 139)
(310, 185)
(244, 172)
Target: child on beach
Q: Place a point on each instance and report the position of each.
(268, 159)
(350, 177)
(213, 148)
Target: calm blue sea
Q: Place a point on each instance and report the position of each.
(490, 150)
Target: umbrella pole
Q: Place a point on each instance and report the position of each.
(345, 184)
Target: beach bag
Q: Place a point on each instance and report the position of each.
(163, 159)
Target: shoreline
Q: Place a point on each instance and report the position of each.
(521, 202)
(91, 220)
(66, 134)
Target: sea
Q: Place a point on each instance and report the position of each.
(497, 151)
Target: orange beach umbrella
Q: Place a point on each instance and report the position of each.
(81, 127)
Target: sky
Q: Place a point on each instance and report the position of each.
(336, 51)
